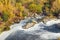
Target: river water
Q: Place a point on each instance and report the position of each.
(39, 31)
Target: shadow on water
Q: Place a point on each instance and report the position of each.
(21, 35)
(52, 28)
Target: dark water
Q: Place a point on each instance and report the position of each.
(21, 35)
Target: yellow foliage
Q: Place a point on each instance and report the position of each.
(56, 4)
(21, 15)
(11, 15)
(19, 6)
(1, 6)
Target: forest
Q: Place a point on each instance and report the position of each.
(13, 11)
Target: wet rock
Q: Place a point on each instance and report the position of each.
(58, 25)
(28, 25)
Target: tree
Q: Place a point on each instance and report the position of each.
(32, 7)
(35, 8)
(20, 7)
(39, 8)
(5, 16)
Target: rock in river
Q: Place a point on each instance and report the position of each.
(58, 25)
(28, 25)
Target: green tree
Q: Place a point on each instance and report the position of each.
(35, 8)
(32, 7)
(39, 8)
(5, 16)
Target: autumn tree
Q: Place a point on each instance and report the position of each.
(5, 16)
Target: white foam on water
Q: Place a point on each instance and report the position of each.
(39, 26)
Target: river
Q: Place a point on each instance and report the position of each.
(39, 31)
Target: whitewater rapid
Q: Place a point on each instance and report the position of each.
(41, 30)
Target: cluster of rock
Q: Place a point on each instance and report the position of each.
(29, 24)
